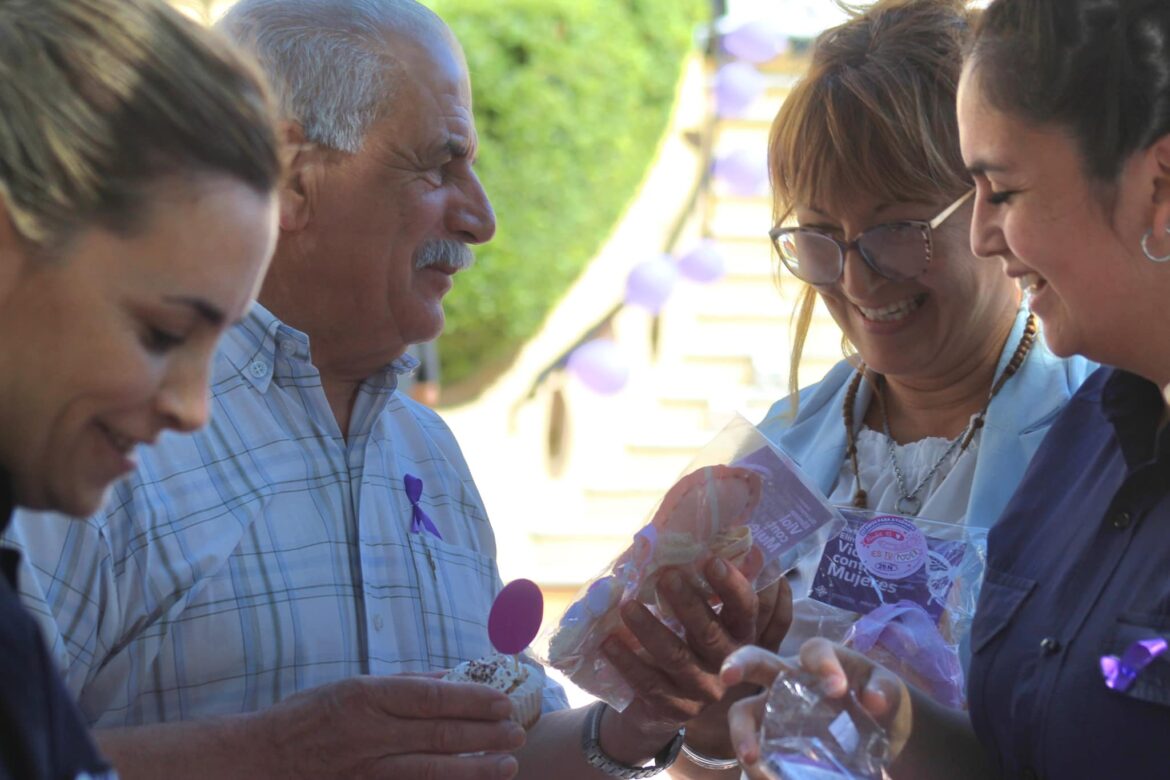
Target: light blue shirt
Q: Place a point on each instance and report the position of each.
(1017, 420)
(267, 554)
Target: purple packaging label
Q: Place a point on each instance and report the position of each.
(843, 581)
(890, 547)
(789, 511)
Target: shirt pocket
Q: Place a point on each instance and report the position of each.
(1000, 599)
(1153, 683)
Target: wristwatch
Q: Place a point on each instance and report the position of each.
(597, 758)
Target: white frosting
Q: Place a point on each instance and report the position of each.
(502, 672)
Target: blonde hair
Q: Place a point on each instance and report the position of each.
(101, 98)
(874, 114)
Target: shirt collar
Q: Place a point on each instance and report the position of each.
(251, 347)
(1133, 406)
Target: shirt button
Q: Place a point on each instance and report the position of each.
(288, 347)
(259, 369)
(1049, 645)
(377, 622)
(1120, 521)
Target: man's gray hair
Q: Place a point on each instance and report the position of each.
(329, 61)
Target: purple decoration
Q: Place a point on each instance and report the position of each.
(601, 366)
(419, 520)
(737, 85)
(650, 283)
(1121, 672)
(516, 616)
(743, 171)
(756, 41)
(702, 264)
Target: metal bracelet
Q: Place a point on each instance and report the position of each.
(707, 762)
(597, 758)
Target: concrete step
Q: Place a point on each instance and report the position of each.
(742, 218)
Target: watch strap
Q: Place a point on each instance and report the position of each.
(598, 759)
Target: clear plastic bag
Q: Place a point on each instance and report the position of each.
(902, 591)
(807, 736)
(741, 500)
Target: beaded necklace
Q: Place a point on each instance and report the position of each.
(908, 502)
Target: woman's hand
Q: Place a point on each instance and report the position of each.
(880, 692)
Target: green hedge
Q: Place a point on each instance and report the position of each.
(571, 101)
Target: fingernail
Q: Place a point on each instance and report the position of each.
(516, 735)
(502, 709)
(719, 569)
(674, 582)
(507, 767)
(631, 612)
(610, 646)
(878, 695)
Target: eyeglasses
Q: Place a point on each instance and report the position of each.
(898, 251)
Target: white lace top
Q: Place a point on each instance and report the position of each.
(945, 497)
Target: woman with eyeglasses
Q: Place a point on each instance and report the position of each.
(1064, 117)
(138, 168)
(950, 388)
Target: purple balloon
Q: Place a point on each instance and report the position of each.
(702, 264)
(516, 616)
(650, 283)
(743, 171)
(756, 41)
(601, 366)
(737, 84)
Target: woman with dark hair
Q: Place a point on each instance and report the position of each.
(1064, 112)
(138, 165)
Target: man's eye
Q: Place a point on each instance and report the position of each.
(159, 341)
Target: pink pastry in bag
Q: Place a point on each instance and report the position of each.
(702, 516)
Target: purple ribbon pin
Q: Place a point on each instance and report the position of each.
(1121, 672)
(419, 521)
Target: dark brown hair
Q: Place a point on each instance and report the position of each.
(1099, 69)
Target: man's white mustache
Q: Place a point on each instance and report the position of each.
(444, 252)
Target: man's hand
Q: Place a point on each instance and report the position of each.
(401, 727)
(676, 680)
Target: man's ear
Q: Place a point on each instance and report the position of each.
(299, 189)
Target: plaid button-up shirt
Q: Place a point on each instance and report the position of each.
(266, 554)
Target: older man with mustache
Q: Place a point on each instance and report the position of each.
(264, 599)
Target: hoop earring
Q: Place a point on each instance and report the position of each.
(1153, 258)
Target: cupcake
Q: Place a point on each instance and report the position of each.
(521, 681)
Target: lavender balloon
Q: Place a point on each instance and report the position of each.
(650, 283)
(703, 264)
(737, 84)
(600, 365)
(756, 41)
(743, 171)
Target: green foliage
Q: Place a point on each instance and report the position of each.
(571, 101)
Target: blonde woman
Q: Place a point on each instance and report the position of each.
(138, 162)
(949, 390)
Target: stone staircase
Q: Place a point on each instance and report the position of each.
(568, 475)
(722, 350)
